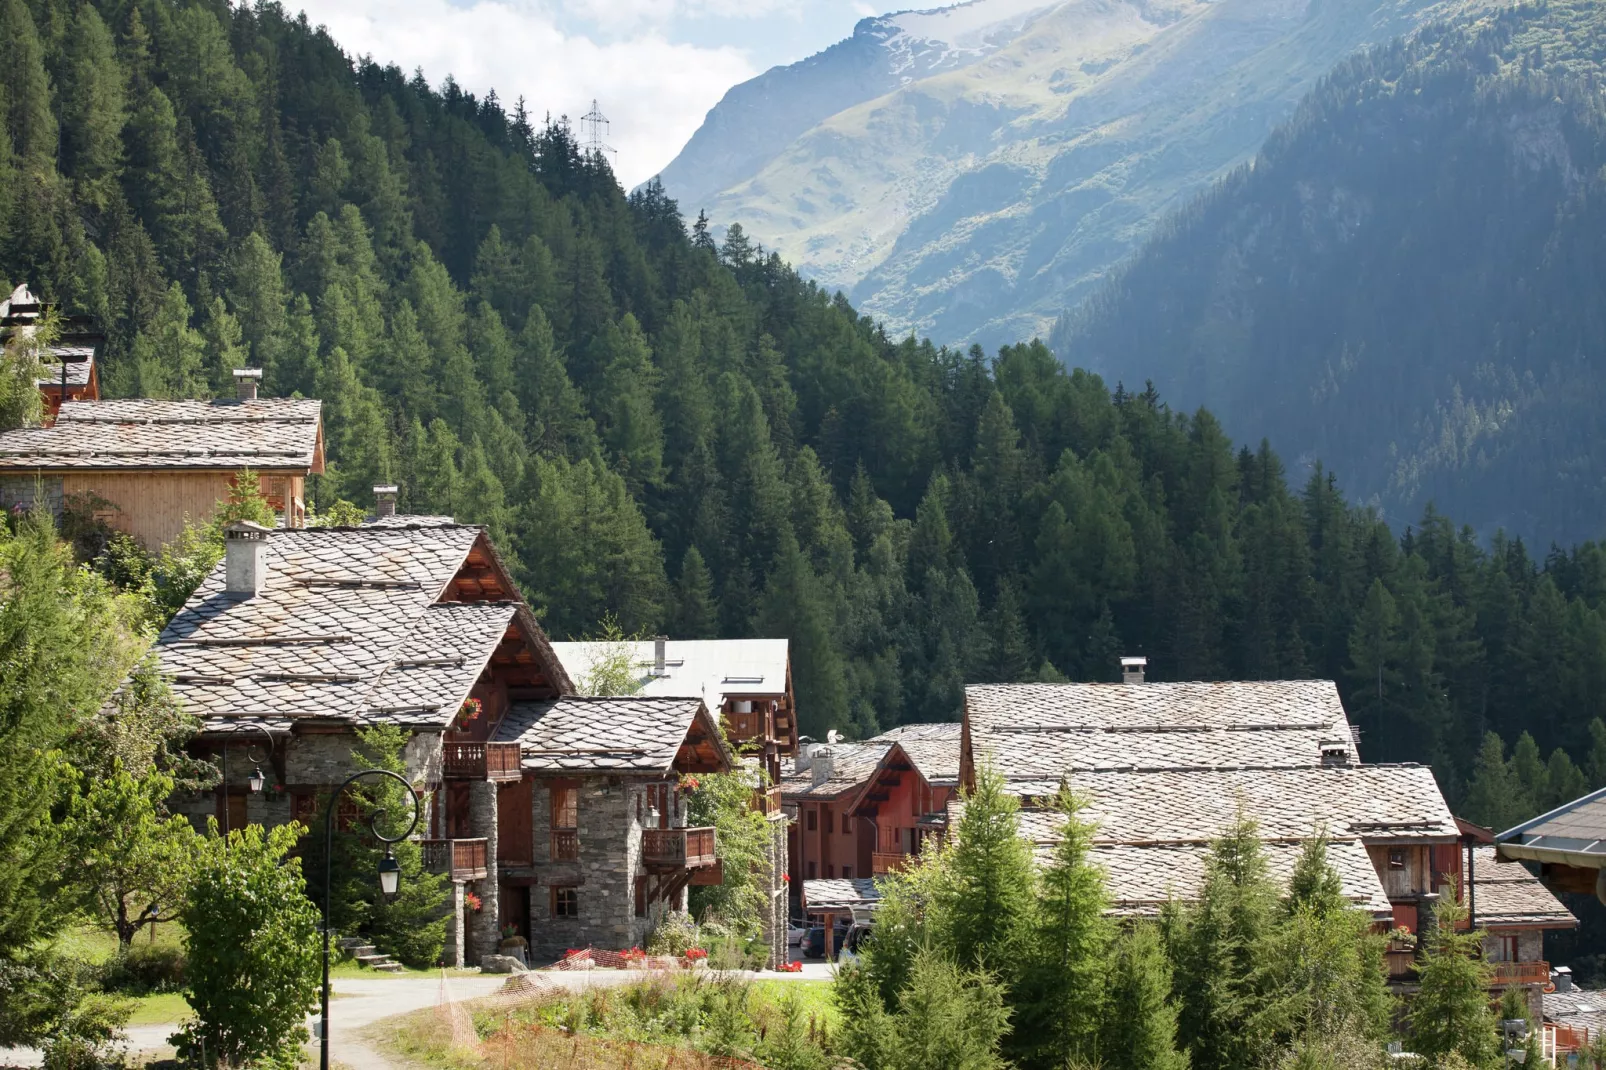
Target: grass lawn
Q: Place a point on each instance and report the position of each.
(813, 996)
(159, 1009)
(93, 944)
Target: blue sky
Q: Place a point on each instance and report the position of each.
(654, 66)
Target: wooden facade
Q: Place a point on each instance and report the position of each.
(153, 505)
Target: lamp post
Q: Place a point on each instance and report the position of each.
(389, 876)
(256, 781)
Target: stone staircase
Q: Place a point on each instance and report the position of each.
(368, 955)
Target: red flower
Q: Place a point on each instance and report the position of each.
(789, 967)
(690, 783)
(787, 877)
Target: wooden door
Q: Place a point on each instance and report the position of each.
(515, 842)
(231, 811)
(457, 811)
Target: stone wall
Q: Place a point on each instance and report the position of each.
(610, 859)
(776, 917)
(20, 493)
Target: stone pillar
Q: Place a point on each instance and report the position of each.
(452, 953)
(484, 930)
(776, 915)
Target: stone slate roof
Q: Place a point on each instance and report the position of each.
(712, 668)
(413, 520)
(346, 629)
(1579, 1009)
(843, 893)
(79, 360)
(1506, 894)
(1143, 878)
(1574, 834)
(265, 433)
(1166, 768)
(584, 734)
(932, 748)
(1373, 802)
(851, 765)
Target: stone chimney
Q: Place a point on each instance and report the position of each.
(245, 558)
(1132, 670)
(385, 499)
(246, 381)
(821, 764)
(1562, 976)
(659, 657)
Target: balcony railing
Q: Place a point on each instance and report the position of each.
(462, 860)
(887, 862)
(1401, 963)
(1521, 973)
(565, 845)
(671, 849)
(768, 801)
(480, 761)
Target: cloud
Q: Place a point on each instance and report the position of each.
(654, 91)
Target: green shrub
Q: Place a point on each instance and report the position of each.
(146, 968)
(674, 934)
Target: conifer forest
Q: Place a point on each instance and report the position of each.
(684, 435)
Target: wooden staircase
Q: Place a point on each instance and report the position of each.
(368, 955)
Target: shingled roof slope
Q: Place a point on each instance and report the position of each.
(584, 734)
(851, 765)
(1378, 802)
(346, 628)
(933, 749)
(263, 433)
(1218, 704)
(1506, 894)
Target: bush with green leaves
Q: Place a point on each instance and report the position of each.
(252, 940)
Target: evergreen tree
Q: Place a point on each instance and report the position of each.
(989, 901)
(1063, 988)
(1140, 1022)
(694, 616)
(1450, 1015)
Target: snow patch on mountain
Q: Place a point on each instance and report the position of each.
(923, 41)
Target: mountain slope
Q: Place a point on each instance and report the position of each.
(977, 200)
(1408, 283)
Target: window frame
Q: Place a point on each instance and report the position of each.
(565, 901)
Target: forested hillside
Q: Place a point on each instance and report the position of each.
(694, 439)
(1407, 283)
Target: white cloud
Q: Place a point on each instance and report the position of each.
(654, 91)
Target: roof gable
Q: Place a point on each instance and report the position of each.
(352, 625)
(580, 734)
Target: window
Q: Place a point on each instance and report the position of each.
(830, 822)
(811, 871)
(830, 872)
(565, 902)
(639, 795)
(1396, 858)
(847, 872)
(565, 805)
(813, 820)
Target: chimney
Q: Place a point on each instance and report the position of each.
(659, 642)
(1132, 670)
(245, 383)
(385, 499)
(245, 558)
(1563, 978)
(821, 764)
(1335, 752)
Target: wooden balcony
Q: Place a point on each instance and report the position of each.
(1401, 963)
(887, 862)
(480, 761)
(768, 801)
(667, 850)
(565, 846)
(1521, 973)
(462, 860)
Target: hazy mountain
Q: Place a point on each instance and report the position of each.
(1408, 283)
(972, 171)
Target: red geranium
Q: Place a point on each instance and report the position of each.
(789, 967)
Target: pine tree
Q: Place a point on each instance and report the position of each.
(990, 900)
(1450, 1014)
(1492, 797)
(170, 357)
(1217, 946)
(694, 615)
(1062, 992)
(1140, 1023)
(93, 110)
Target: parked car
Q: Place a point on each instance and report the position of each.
(814, 942)
(850, 943)
(795, 932)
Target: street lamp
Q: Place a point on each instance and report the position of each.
(256, 780)
(389, 875)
